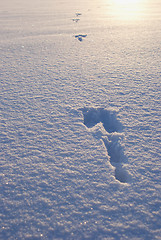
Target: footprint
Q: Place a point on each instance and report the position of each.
(75, 19)
(78, 14)
(80, 37)
(92, 116)
(111, 137)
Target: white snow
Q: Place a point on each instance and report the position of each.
(80, 120)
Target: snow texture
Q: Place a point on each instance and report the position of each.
(80, 120)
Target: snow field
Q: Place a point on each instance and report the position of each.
(73, 167)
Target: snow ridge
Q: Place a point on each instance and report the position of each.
(105, 125)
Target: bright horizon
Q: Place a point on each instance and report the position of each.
(128, 10)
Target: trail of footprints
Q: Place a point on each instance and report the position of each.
(80, 37)
(105, 125)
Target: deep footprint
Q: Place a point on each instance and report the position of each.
(93, 116)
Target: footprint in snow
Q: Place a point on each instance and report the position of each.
(80, 37)
(110, 136)
(78, 14)
(75, 19)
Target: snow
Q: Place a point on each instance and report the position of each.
(80, 120)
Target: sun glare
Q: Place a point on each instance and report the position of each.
(126, 1)
(126, 9)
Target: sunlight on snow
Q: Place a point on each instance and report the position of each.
(127, 9)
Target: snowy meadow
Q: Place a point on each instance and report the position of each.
(80, 119)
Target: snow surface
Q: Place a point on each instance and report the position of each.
(80, 120)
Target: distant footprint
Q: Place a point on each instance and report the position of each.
(111, 138)
(80, 37)
(75, 20)
(78, 14)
